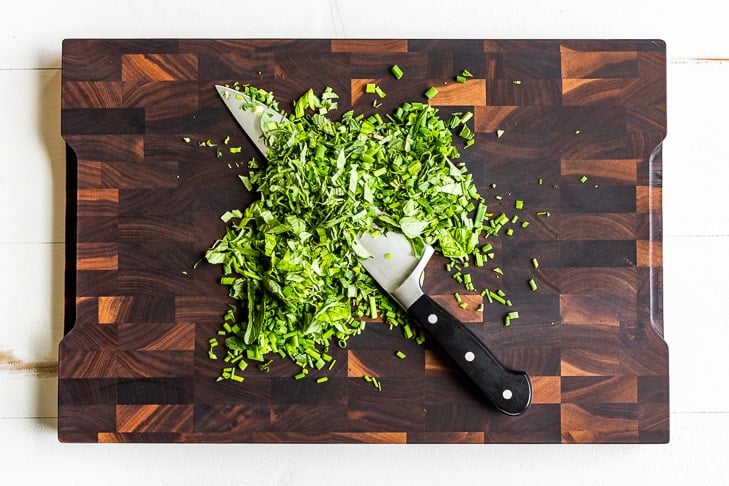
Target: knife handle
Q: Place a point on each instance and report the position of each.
(510, 391)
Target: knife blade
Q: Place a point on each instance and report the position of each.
(396, 268)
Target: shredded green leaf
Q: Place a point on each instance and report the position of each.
(291, 261)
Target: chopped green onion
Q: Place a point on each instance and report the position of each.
(535, 263)
(500, 133)
(496, 297)
(509, 317)
(401, 355)
(583, 179)
(407, 331)
(322, 379)
(373, 381)
(532, 285)
(370, 88)
(396, 71)
(519, 204)
(431, 92)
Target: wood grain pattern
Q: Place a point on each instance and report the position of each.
(144, 207)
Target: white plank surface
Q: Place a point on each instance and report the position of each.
(692, 458)
(696, 236)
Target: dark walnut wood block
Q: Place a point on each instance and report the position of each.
(143, 206)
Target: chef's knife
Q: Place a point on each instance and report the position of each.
(397, 270)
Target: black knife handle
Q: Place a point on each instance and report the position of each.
(510, 391)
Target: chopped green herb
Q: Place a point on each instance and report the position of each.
(583, 179)
(509, 317)
(431, 92)
(373, 381)
(322, 379)
(290, 259)
(532, 285)
(396, 71)
(407, 331)
(494, 296)
(401, 355)
(535, 263)
(370, 88)
(519, 204)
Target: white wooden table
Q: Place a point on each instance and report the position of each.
(696, 233)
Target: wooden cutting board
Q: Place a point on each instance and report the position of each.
(143, 206)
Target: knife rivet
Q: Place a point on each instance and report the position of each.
(470, 356)
(432, 318)
(507, 394)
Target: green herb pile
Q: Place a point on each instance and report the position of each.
(291, 259)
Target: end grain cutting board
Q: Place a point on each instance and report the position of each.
(143, 206)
